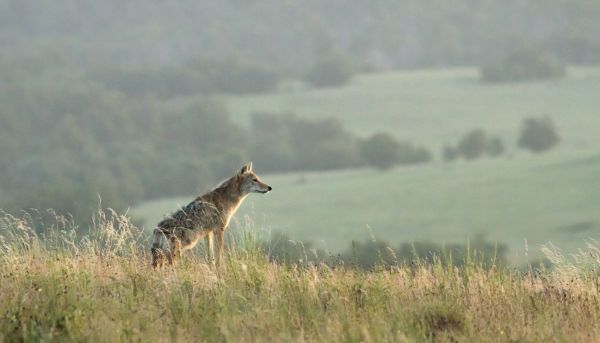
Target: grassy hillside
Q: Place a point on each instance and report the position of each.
(538, 198)
(435, 107)
(102, 289)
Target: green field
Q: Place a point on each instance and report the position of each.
(552, 197)
(436, 107)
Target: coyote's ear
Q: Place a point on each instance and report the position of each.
(246, 168)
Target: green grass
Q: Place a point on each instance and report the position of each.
(101, 288)
(519, 197)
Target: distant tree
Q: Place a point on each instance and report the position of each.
(237, 76)
(538, 134)
(330, 71)
(194, 77)
(494, 147)
(381, 151)
(522, 65)
(450, 153)
(322, 144)
(411, 154)
(286, 142)
(272, 147)
(473, 144)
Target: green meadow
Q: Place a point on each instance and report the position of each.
(434, 107)
(521, 199)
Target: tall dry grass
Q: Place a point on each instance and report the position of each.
(58, 286)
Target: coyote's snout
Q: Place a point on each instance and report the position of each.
(205, 217)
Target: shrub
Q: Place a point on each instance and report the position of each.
(522, 65)
(383, 151)
(302, 144)
(198, 76)
(322, 144)
(411, 154)
(329, 71)
(473, 144)
(236, 76)
(450, 153)
(494, 147)
(380, 151)
(538, 134)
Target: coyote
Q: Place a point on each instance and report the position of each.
(205, 216)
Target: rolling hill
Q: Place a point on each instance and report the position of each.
(521, 199)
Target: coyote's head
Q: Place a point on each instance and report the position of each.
(249, 182)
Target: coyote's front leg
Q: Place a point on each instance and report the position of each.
(175, 249)
(158, 254)
(158, 257)
(210, 248)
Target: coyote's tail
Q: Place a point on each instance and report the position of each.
(157, 253)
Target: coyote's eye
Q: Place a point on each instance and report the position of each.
(255, 179)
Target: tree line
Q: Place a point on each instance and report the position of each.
(538, 134)
(72, 146)
(291, 35)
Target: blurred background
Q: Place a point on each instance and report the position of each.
(409, 121)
